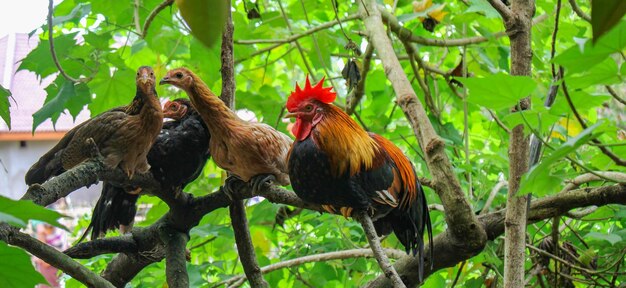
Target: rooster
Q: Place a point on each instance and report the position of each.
(123, 135)
(177, 157)
(255, 153)
(337, 164)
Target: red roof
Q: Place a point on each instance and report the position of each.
(27, 91)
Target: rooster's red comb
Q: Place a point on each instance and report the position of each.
(317, 92)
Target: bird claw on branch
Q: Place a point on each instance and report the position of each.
(259, 181)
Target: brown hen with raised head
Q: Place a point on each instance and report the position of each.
(253, 152)
(123, 135)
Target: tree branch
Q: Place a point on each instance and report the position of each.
(175, 261)
(86, 250)
(493, 224)
(292, 38)
(153, 14)
(379, 254)
(54, 54)
(505, 11)
(459, 215)
(357, 94)
(245, 248)
(406, 34)
(337, 255)
(579, 11)
(614, 94)
(13, 236)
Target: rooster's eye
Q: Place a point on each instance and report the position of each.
(308, 108)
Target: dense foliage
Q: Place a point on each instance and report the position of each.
(101, 44)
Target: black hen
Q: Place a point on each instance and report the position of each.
(177, 157)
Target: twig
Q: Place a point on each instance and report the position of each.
(153, 14)
(305, 59)
(13, 236)
(579, 11)
(619, 161)
(54, 54)
(357, 94)
(406, 34)
(208, 240)
(227, 61)
(136, 16)
(499, 122)
(458, 274)
(372, 239)
(492, 196)
(614, 94)
(317, 46)
(322, 257)
(292, 38)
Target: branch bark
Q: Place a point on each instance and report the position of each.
(13, 236)
(518, 25)
(175, 262)
(86, 250)
(245, 248)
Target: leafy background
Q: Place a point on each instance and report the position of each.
(111, 47)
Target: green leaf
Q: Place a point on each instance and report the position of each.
(482, 7)
(579, 58)
(538, 180)
(204, 18)
(39, 60)
(81, 10)
(16, 269)
(62, 94)
(604, 15)
(25, 210)
(612, 238)
(112, 90)
(605, 73)
(498, 91)
(5, 114)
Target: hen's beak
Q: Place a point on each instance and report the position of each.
(165, 80)
(144, 78)
(291, 115)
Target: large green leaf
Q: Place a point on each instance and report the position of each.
(16, 269)
(579, 58)
(24, 210)
(204, 18)
(39, 60)
(62, 94)
(5, 114)
(538, 180)
(112, 89)
(605, 14)
(498, 91)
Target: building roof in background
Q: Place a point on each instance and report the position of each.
(27, 90)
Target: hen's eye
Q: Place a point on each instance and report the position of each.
(179, 75)
(308, 108)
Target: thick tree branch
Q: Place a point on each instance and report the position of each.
(493, 224)
(175, 261)
(86, 250)
(505, 11)
(459, 213)
(518, 25)
(245, 248)
(13, 236)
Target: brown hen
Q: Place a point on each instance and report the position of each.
(253, 152)
(123, 135)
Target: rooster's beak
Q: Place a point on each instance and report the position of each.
(165, 80)
(291, 115)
